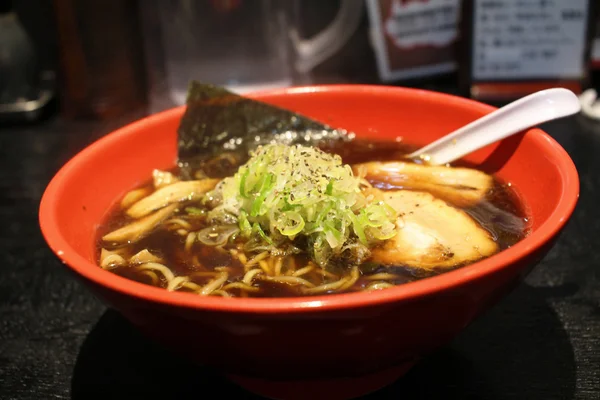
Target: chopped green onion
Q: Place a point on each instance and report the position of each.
(259, 230)
(243, 179)
(290, 223)
(329, 189)
(195, 211)
(284, 192)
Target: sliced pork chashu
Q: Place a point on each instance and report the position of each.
(139, 228)
(460, 186)
(431, 233)
(169, 194)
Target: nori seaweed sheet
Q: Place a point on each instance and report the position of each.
(217, 121)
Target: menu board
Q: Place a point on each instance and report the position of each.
(529, 39)
(414, 38)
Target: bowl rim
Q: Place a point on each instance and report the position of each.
(50, 226)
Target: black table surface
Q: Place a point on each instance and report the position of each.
(58, 342)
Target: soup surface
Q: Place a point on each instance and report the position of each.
(181, 253)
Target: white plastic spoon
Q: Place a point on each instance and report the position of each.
(529, 111)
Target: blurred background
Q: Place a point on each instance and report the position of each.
(73, 70)
(101, 59)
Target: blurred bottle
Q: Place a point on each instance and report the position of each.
(26, 87)
(596, 52)
(102, 70)
(18, 61)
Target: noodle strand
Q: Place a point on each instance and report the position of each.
(214, 284)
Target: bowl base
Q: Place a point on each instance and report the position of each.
(330, 389)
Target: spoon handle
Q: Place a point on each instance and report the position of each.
(529, 111)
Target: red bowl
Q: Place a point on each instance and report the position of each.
(357, 341)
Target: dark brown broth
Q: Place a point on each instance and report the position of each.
(500, 214)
